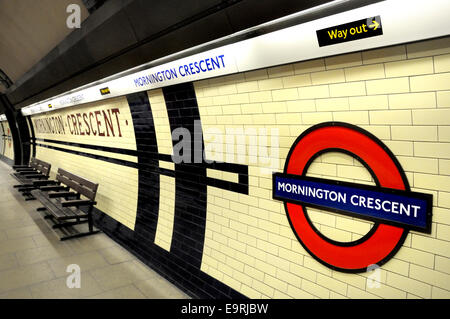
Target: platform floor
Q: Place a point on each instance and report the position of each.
(33, 262)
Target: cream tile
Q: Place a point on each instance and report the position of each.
(90, 243)
(58, 289)
(24, 276)
(116, 254)
(160, 289)
(35, 255)
(14, 245)
(48, 239)
(118, 275)
(21, 293)
(25, 231)
(127, 292)
(16, 223)
(8, 261)
(3, 235)
(86, 261)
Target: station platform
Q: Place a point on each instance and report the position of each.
(33, 261)
(223, 151)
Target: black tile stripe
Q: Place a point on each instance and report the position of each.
(165, 157)
(156, 169)
(33, 136)
(190, 187)
(175, 269)
(182, 264)
(123, 151)
(228, 167)
(3, 139)
(149, 179)
(90, 155)
(226, 185)
(242, 170)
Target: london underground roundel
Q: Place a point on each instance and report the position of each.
(390, 204)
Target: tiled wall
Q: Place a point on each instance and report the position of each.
(2, 139)
(401, 95)
(8, 145)
(117, 192)
(166, 212)
(214, 229)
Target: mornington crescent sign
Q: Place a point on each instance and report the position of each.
(390, 204)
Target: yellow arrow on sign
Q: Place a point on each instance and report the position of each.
(375, 25)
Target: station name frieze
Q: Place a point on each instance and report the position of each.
(105, 123)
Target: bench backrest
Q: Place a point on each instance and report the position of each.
(77, 183)
(42, 167)
(33, 163)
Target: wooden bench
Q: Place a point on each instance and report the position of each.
(63, 203)
(24, 167)
(27, 176)
(31, 167)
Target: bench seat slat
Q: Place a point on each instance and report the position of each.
(54, 207)
(66, 212)
(21, 178)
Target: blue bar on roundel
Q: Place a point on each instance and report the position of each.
(401, 208)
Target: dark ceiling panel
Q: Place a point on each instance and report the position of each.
(248, 13)
(209, 28)
(123, 34)
(162, 14)
(111, 37)
(124, 38)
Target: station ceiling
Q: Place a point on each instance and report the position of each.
(29, 30)
(44, 58)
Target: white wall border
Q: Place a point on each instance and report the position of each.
(403, 21)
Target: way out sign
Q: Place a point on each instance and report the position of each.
(361, 29)
(393, 208)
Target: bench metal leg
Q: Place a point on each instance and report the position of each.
(29, 197)
(63, 224)
(26, 193)
(80, 235)
(91, 222)
(60, 225)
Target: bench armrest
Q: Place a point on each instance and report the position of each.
(37, 176)
(44, 182)
(78, 202)
(52, 188)
(20, 166)
(23, 185)
(26, 169)
(53, 194)
(26, 186)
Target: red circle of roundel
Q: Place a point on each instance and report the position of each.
(381, 244)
